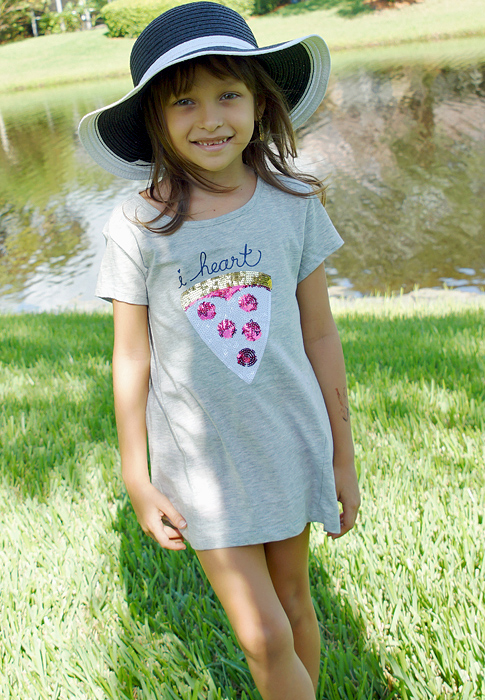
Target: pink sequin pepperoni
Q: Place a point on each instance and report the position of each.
(246, 357)
(252, 330)
(206, 311)
(248, 303)
(226, 328)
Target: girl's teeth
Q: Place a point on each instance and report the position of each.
(211, 143)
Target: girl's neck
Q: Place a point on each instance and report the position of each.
(209, 205)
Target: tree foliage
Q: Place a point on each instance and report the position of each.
(16, 17)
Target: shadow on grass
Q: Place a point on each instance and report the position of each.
(57, 400)
(345, 8)
(187, 637)
(182, 624)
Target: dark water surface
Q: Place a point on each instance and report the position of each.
(403, 149)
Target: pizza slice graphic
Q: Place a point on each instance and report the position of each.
(231, 313)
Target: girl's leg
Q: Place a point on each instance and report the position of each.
(288, 567)
(242, 582)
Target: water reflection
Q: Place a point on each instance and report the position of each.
(405, 151)
(34, 239)
(53, 201)
(402, 148)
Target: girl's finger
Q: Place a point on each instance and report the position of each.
(171, 516)
(165, 541)
(172, 533)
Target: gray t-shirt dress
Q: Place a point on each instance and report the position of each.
(238, 431)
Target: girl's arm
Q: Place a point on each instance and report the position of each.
(324, 350)
(131, 373)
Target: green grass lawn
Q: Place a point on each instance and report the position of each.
(91, 608)
(64, 58)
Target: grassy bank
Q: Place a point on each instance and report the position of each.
(93, 609)
(58, 59)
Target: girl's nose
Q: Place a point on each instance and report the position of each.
(210, 118)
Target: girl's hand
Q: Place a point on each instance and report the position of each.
(157, 516)
(347, 486)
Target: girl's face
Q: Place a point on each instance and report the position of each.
(211, 123)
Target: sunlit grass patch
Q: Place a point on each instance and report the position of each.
(56, 398)
(93, 609)
(413, 571)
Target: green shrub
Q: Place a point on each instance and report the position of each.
(130, 17)
(262, 7)
(71, 19)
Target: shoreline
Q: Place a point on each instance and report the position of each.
(339, 51)
(342, 300)
(427, 300)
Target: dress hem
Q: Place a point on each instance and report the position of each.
(250, 541)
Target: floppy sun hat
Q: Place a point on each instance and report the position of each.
(115, 136)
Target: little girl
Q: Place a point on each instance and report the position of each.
(225, 350)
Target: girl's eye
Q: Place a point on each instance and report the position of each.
(230, 96)
(183, 102)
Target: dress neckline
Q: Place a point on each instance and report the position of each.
(202, 223)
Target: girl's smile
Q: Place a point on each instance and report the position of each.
(211, 124)
(212, 144)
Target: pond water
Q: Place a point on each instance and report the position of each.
(401, 145)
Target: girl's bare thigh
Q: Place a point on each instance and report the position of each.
(250, 586)
(241, 580)
(259, 585)
(287, 563)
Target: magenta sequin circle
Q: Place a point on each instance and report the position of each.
(226, 328)
(206, 310)
(252, 330)
(246, 357)
(248, 303)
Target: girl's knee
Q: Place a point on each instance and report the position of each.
(297, 604)
(264, 641)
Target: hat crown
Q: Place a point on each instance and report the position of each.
(182, 24)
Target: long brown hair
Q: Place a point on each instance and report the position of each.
(170, 168)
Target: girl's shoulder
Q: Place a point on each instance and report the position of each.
(124, 230)
(128, 217)
(154, 204)
(275, 197)
(293, 184)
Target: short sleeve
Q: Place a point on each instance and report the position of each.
(320, 238)
(122, 275)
